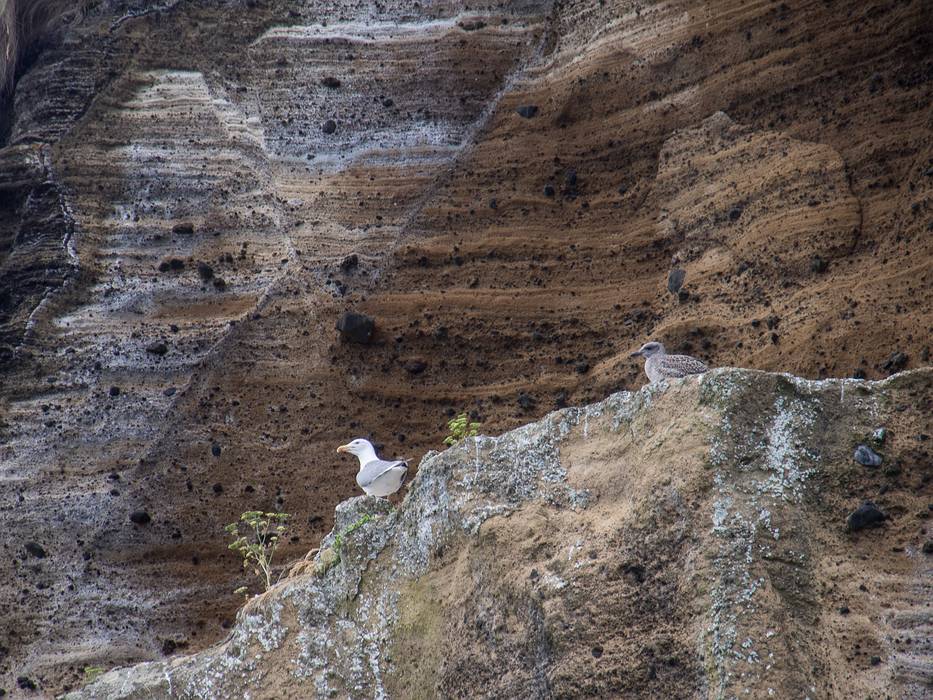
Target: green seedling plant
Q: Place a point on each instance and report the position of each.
(460, 428)
(92, 672)
(340, 539)
(257, 535)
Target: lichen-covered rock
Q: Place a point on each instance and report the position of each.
(687, 540)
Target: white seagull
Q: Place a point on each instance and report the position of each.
(659, 365)
(377, 477)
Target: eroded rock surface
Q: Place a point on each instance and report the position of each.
(684, 541)
(183, 183)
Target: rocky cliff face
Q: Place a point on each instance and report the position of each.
(683, 541)
(193, 192)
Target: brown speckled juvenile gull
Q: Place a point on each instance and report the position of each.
(659, 365)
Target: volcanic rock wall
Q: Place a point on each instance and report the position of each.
(684, 541)
(193, 192)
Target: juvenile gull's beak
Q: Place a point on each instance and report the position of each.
(637, 353)
(343, 448)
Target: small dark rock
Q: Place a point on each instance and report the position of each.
(844, 610)
(735, 213)
(526, 402)
(818, 265)
(140, 517)
(415, 366)
(218, 488)
(858, 373)
(172, 264)
(215, 450)
(157, 348)
(683, 296)
(875, 660)
(493, 204)
(472, 25)
(35, 549)
(675, 280)
(928, 547)
(26, 683)
(582, 367)
(350, 262)
(388, 102)
(895, 363)
(205, 271)
(597, 651)
(330, 82)
(866, 456)
(114, 391)
(527, 111)
(560, 401)
(356, 328)
(184, 228)
(170, 391)
(329, 127)
(220, 284)
(866, 515)
(549, 190)
(168, 647)
(623, 189)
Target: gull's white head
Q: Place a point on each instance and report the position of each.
(649, 349)
(361, 448)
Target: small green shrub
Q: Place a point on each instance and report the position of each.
(257, 534)
(92, 672)
(460, 428)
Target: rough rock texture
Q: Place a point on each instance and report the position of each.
(778, 153)
(682, 541)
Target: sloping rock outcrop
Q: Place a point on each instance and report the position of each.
(687, 540)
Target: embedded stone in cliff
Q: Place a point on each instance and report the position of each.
(35, 549)
(818, 264)
(140, 517)
(415, 366)
(158, 348)
(185, 228)
(735, 213)
(171, 265)
(866, 456)
(866, 515)
(526, 402)
(331, 82)
(549, 190)
(350, 262)
(329, 127)
(114, 391)
(471, 25)
(356, 328)
(527, 111)
(675, 280)
(896, 362)
(205, 271)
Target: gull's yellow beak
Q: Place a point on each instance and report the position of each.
(343, 448)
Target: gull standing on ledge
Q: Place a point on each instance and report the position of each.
(659, 365)
(377, 477)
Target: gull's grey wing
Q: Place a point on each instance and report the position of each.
(681, 366)
(373, 470)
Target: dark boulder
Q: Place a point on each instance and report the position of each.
(356, 328)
